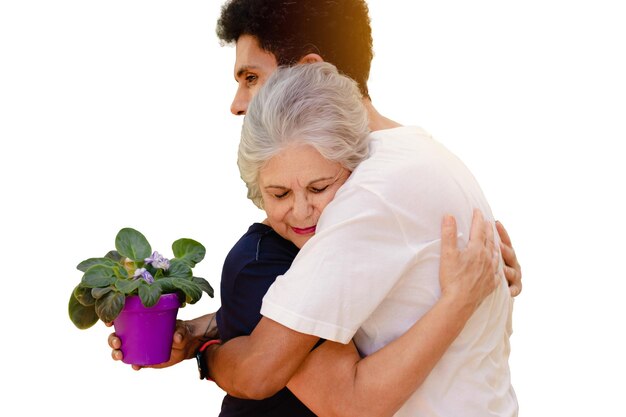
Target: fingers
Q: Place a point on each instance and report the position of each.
(117, 355)
(482, 236)
(510, 258)
(180, 332)
(114, 341)
(115, 344)
(504, 236)
(477, 232)
(489, 236)
(515, 290)
(512, 268)
(514, 279)
(448, 235)
(491, 246)
(493, 257)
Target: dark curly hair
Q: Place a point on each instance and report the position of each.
(337, 30)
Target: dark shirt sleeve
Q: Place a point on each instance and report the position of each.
(249, 270)
(244, 293)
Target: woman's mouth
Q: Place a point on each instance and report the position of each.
(305, 231)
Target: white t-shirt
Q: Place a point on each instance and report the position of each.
(372, 270)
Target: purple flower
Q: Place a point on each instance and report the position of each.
(158, 261)
(145, 275)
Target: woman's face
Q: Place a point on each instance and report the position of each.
(296, 186)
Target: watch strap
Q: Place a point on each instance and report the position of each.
(202, 365)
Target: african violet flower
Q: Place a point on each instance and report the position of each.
(144, 274)
(158, 261)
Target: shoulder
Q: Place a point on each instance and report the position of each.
(260, 244)
(398, 134)
(406, 160)
(410, 144)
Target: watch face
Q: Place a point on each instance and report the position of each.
(201, 364)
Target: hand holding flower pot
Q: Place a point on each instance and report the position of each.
(139, 291)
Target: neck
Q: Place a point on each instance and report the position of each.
(377, 120)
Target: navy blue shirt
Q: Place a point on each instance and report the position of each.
(250, 268)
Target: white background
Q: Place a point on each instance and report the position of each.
(115, 114)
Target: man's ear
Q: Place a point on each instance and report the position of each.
(310, 59)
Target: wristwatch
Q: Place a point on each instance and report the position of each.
(202, 366)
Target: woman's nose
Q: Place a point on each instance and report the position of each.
(302, 208)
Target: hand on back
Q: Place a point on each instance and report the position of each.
(469, 274)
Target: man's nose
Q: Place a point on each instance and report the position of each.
(240, 103)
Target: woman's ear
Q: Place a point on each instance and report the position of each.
(310, 59)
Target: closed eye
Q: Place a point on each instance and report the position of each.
(317, 190)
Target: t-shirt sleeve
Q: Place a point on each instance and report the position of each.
(344, 272)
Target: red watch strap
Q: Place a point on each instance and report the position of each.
(209, 343)
(199, 357)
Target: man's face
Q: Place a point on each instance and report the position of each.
(253, 66)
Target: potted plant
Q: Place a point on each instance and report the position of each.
(140, 292)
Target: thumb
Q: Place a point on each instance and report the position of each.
(181, 332)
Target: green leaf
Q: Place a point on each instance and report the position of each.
(127, 286)
(167, 285)
(192, 291)
(109, 306)
(88, 263)
(149, 293)
(132, 245)
(82, 316)
(189, 251)
(114, 256)
(156, 273)
(83, 295)
(98, 276)
(179, 269)
(204, 285)
(98, 293)
(120, 272)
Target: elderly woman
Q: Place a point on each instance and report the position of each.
(303, 135)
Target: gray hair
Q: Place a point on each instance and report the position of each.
(308, 104)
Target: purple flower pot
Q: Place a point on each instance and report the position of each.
(146, 332)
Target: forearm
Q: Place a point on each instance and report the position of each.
(259, 365)
(400, 368)
(335, 382)
(198, 331)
